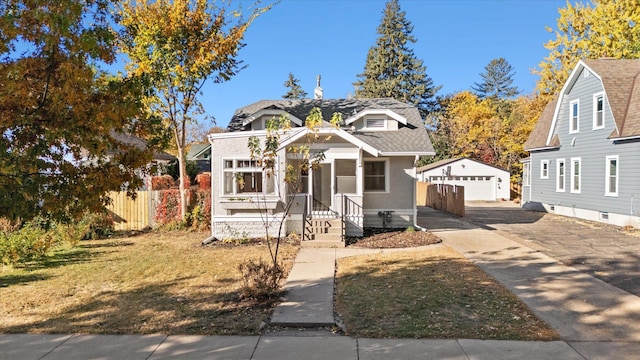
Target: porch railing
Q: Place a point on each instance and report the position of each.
(305, 215)
(352, 216)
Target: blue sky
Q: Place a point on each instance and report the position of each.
(456, 40)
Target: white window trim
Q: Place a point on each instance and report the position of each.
(564, 176)
(386, 175)
(575, 161)
(542, 163)
(595, 110)
(384, 119)
(607, 178)
(577, 129)
(236, 169)
(526, 174)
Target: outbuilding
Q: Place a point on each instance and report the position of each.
(481, 181)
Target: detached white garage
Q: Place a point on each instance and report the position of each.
(481, 181)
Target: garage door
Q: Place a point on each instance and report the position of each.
(475, 187)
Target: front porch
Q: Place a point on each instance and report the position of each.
(325, 226)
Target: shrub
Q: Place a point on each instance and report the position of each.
(162, 182)
(168, 209)
(35, 240)
(260, 279)
(167, 212)
(96, 226)
(200, 214)
(204, 181)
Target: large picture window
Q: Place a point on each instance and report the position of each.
(611, 179)
(375, 176)
(242, 176)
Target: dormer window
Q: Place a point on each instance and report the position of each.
(375, 123)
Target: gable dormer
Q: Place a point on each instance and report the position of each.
(258, 120)
(376, 120)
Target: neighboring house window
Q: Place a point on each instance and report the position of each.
(598, 111)
(375, 176)
(375, 123)
(611, 180)
(242, 176)
(560, 172)
(575, 175)
(544, 169)
(526, 170)
(574, 124)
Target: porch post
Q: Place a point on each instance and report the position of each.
(359, 174)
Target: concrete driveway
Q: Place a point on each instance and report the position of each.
(607, 252)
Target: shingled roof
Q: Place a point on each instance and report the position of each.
(622, 87)
(409, 138)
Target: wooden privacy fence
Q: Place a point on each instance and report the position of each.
(449, 198)
(129, 214)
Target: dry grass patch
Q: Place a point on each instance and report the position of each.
(434, 293)
(152, 283)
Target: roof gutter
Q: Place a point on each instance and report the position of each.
(543, 148)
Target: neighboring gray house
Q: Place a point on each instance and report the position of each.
(481, 181)
(585, 148)
(201, 154)
(367, 178)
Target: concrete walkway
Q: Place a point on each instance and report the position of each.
(272, 347)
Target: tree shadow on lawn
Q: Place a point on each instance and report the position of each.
(157, 308)
(10, 280)
(411, 296)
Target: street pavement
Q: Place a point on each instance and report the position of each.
(595, 319)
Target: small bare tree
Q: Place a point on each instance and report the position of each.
(266, 277)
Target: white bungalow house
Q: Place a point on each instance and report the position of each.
(367, 177)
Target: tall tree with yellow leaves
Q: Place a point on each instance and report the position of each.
(601, 28)
(180, 45)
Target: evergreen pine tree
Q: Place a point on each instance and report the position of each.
(295, 90)
(392, 68)
(496, 81)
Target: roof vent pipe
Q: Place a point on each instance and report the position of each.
(317, 92)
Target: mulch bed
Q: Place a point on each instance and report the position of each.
(388, 239)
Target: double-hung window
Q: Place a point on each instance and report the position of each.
(544, 169)
(575, 175)
(560, 174)
(611, 173)
(598, 111)
(574, 123)
(526, 170)
(375, 176)
(243, 176)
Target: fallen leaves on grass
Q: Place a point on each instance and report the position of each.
(152, 283)
(431, 293)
